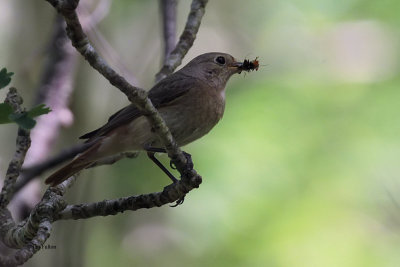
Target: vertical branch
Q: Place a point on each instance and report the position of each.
(23, 144)
(186, 39)
(168, 15)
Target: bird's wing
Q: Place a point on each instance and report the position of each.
(163, 93)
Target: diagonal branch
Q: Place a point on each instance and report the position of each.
(186, 39)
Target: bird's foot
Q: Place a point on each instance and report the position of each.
(178, 202)
(189, 162)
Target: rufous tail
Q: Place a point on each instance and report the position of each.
(64, 173)
(76, 165)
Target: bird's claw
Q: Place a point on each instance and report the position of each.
(172, 165)
(189, 161)
(178, 202)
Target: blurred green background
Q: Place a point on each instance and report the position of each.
(303, 170)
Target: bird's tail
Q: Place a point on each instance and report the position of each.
(76, 165)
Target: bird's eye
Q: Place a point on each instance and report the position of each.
(220, 60)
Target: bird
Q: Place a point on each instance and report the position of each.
(191, 101)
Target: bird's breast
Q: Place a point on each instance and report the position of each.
(194, 115)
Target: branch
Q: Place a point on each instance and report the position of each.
(24, 254)
(51, 203)
(90, 20)
(23, 144)
(30, 235)
(168, 13)
(170, 194)
(186, 39)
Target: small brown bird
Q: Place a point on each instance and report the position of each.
(191, 101)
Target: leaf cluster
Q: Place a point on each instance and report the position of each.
(24, 119)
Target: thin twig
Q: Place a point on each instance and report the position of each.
(168, 14)
(186, 39)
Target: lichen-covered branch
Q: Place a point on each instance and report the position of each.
(31, 234)
(186, 39)
(23, 144)
(51, 203)
(170, 194)
(22, 255)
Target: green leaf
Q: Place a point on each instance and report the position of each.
(5, 111)
(38, 110)
(23, 120)
(5, 77)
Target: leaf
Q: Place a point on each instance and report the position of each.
(38, 110)
(5, 77)
(5, 112)
(23, 120)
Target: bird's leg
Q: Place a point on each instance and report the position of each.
(189, 164)
(150, 154)
(155, 149)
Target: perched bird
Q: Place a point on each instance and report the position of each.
(191, 101)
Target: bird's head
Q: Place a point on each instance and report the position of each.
(214, 68)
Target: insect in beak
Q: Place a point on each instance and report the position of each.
(250, 65)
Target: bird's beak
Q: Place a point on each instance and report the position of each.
(237, 66)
